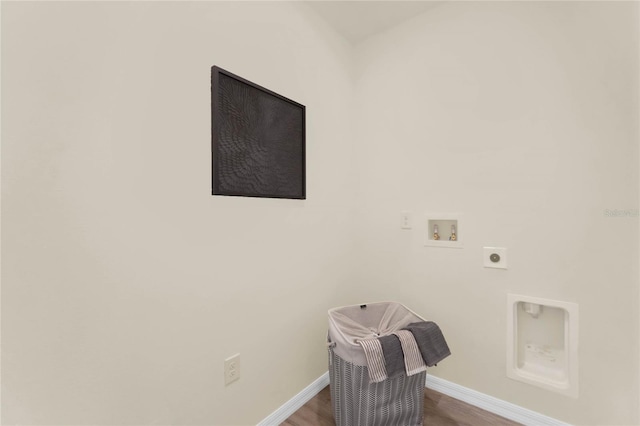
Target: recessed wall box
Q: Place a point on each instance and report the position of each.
(443, 230)
(542, 343)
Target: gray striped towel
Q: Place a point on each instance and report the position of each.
(430, 340)
(412, 357)
(393, 357)
(375, 359)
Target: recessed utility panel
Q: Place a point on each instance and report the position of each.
(542, 343)
(443, 230)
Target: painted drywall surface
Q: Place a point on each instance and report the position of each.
(125, 283)
(113, 265)
(523, 117)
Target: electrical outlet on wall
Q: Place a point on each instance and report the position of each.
(231, 369)
(495, 257)
(406, 222)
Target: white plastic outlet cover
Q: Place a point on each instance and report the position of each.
(494, 257)
(406, 220)
(231, 369)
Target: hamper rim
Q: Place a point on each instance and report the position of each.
(364, 304)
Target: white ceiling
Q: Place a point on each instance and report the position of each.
(357, 20)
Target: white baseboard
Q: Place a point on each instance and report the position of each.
(491, 404)
(291, 406)
(470, 396)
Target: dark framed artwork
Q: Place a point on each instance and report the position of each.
(258, 140)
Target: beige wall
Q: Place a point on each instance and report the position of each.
(524, 117)
(125, 283)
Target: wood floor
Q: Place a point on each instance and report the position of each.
(439, 410)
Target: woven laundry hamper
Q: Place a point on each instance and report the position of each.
(397, 401)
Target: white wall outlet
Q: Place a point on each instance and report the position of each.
(231, 369)
(495, 257)
(407, 220)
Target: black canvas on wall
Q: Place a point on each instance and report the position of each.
(258, 140)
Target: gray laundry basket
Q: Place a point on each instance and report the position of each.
(397, 401)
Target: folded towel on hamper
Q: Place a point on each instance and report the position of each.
(412, 357)
(393, 356)
(430, 340)
(375, 359)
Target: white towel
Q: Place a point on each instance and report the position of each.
(413, 361)
(375, 359)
